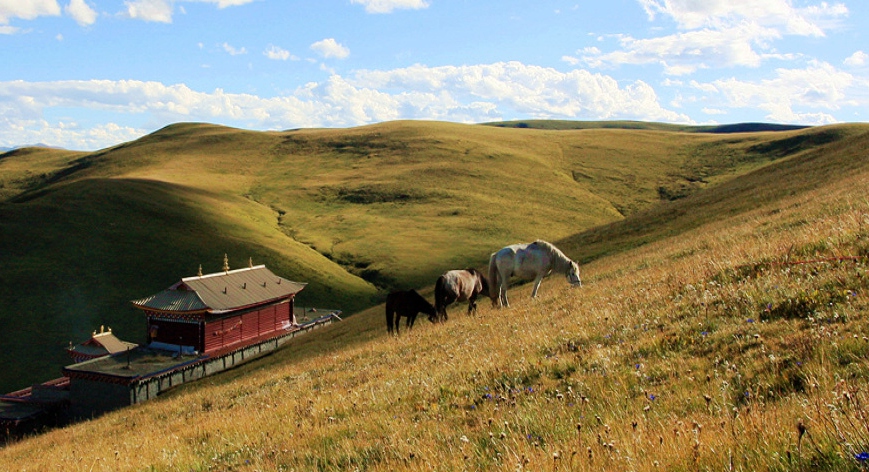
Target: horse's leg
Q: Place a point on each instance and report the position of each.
(410, 320)
(537, 281)
(389, 314)
(502, 297)
(472, 304)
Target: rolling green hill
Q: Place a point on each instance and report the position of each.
(353, 212)
(720, 327)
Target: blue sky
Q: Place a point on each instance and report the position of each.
(89, 74)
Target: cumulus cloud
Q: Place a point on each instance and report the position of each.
(719, 33)
(859, 58)
(161, 11)
(27, 10)
(687, 52)
(388, 6)
(233, 51)
(278, 54)
(691, 14)
(329, 48)
(804, 96)
(473, 93)
(81, 12)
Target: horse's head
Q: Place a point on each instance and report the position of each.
(573, 275)
(431, 311)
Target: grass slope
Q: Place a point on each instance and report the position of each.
(354, 212)
(731, 336)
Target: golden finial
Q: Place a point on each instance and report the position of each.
(200, 270)
(225, 263)
(250, 262)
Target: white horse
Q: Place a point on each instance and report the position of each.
(529, 260)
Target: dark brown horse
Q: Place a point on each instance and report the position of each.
(408, 304)
(457, 286)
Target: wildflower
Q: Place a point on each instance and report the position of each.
(862, 456)
(750, 320)
(652, 397)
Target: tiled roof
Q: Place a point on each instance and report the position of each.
(173, 300)
(111, 343)
(222, 291)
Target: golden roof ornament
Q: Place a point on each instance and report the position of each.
(225, 263)
(200, 271)
(250, 262)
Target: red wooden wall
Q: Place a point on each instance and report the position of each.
(246, 326)
(223, 332)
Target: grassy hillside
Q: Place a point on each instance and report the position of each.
(725, 330)
(353, 212)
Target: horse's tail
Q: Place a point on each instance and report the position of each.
(440, 296)
(494, 285)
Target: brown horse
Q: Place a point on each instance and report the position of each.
(457, 286)
(408, 304)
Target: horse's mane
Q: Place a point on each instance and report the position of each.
(560, 263)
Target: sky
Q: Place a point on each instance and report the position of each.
(90, 74)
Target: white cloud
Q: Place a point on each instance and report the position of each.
(278, 54)
(719, 34)
(27, 9)
(233, 51)
(476, 93)
(227, 3)
(692, 14)
(159, 11)
(859, 58)
(329, 48)
(686, 52)
(387, 6)
(9, 29)
(793, 95)
(81, 12)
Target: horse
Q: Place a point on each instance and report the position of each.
(407, 304)
(458, 286)
(527, 260)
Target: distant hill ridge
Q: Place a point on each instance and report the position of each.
(571, 125)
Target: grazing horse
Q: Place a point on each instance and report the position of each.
(529, 260)
(458, 286)
(407, 304)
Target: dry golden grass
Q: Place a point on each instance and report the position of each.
(738, 344)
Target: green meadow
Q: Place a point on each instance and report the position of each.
(721, 324)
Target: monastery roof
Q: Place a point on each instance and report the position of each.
(101, 344)
(222, 291)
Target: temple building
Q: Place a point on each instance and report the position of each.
(100, 344)
(208, 313)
